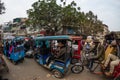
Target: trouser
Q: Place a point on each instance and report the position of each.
(114, 62)
(91, 62)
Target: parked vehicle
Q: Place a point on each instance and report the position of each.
(14, 50)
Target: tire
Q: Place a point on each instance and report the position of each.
(117, 78)
(57, 73)
(77, 69)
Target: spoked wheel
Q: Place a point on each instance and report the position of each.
(57, 73)
(77, 69)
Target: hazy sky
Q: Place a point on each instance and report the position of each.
(107, 10)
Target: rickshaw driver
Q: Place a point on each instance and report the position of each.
(61, 52)
(113, 57)
(96, 52)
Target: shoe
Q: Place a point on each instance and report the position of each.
(108, 74)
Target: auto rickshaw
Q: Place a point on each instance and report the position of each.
(45, 48)
(77, 46)
(14, 50)
(29, 47)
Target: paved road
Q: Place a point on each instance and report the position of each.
(30, 70)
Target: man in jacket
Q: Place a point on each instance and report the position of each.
(96, 52)
(63, 50)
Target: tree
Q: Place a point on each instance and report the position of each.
(2, 8)
(49, 15)
(44, 14)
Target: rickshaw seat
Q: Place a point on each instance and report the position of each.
(60, 62)
(57, 60)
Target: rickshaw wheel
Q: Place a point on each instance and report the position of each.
(117, 78)
(77, 69)
(57, 73)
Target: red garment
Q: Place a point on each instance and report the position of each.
(11, 47)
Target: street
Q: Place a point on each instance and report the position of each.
(30, 70)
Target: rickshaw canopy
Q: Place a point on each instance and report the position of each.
(18, 38)
(63, 37)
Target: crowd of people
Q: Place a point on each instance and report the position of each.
(96, 50)
(107, 53)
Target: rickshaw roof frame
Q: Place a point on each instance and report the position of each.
(60, 37)
(75, 37)
(18, 38)
(65, 37)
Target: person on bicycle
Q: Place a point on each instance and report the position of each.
(96, 53)
(113, 58)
